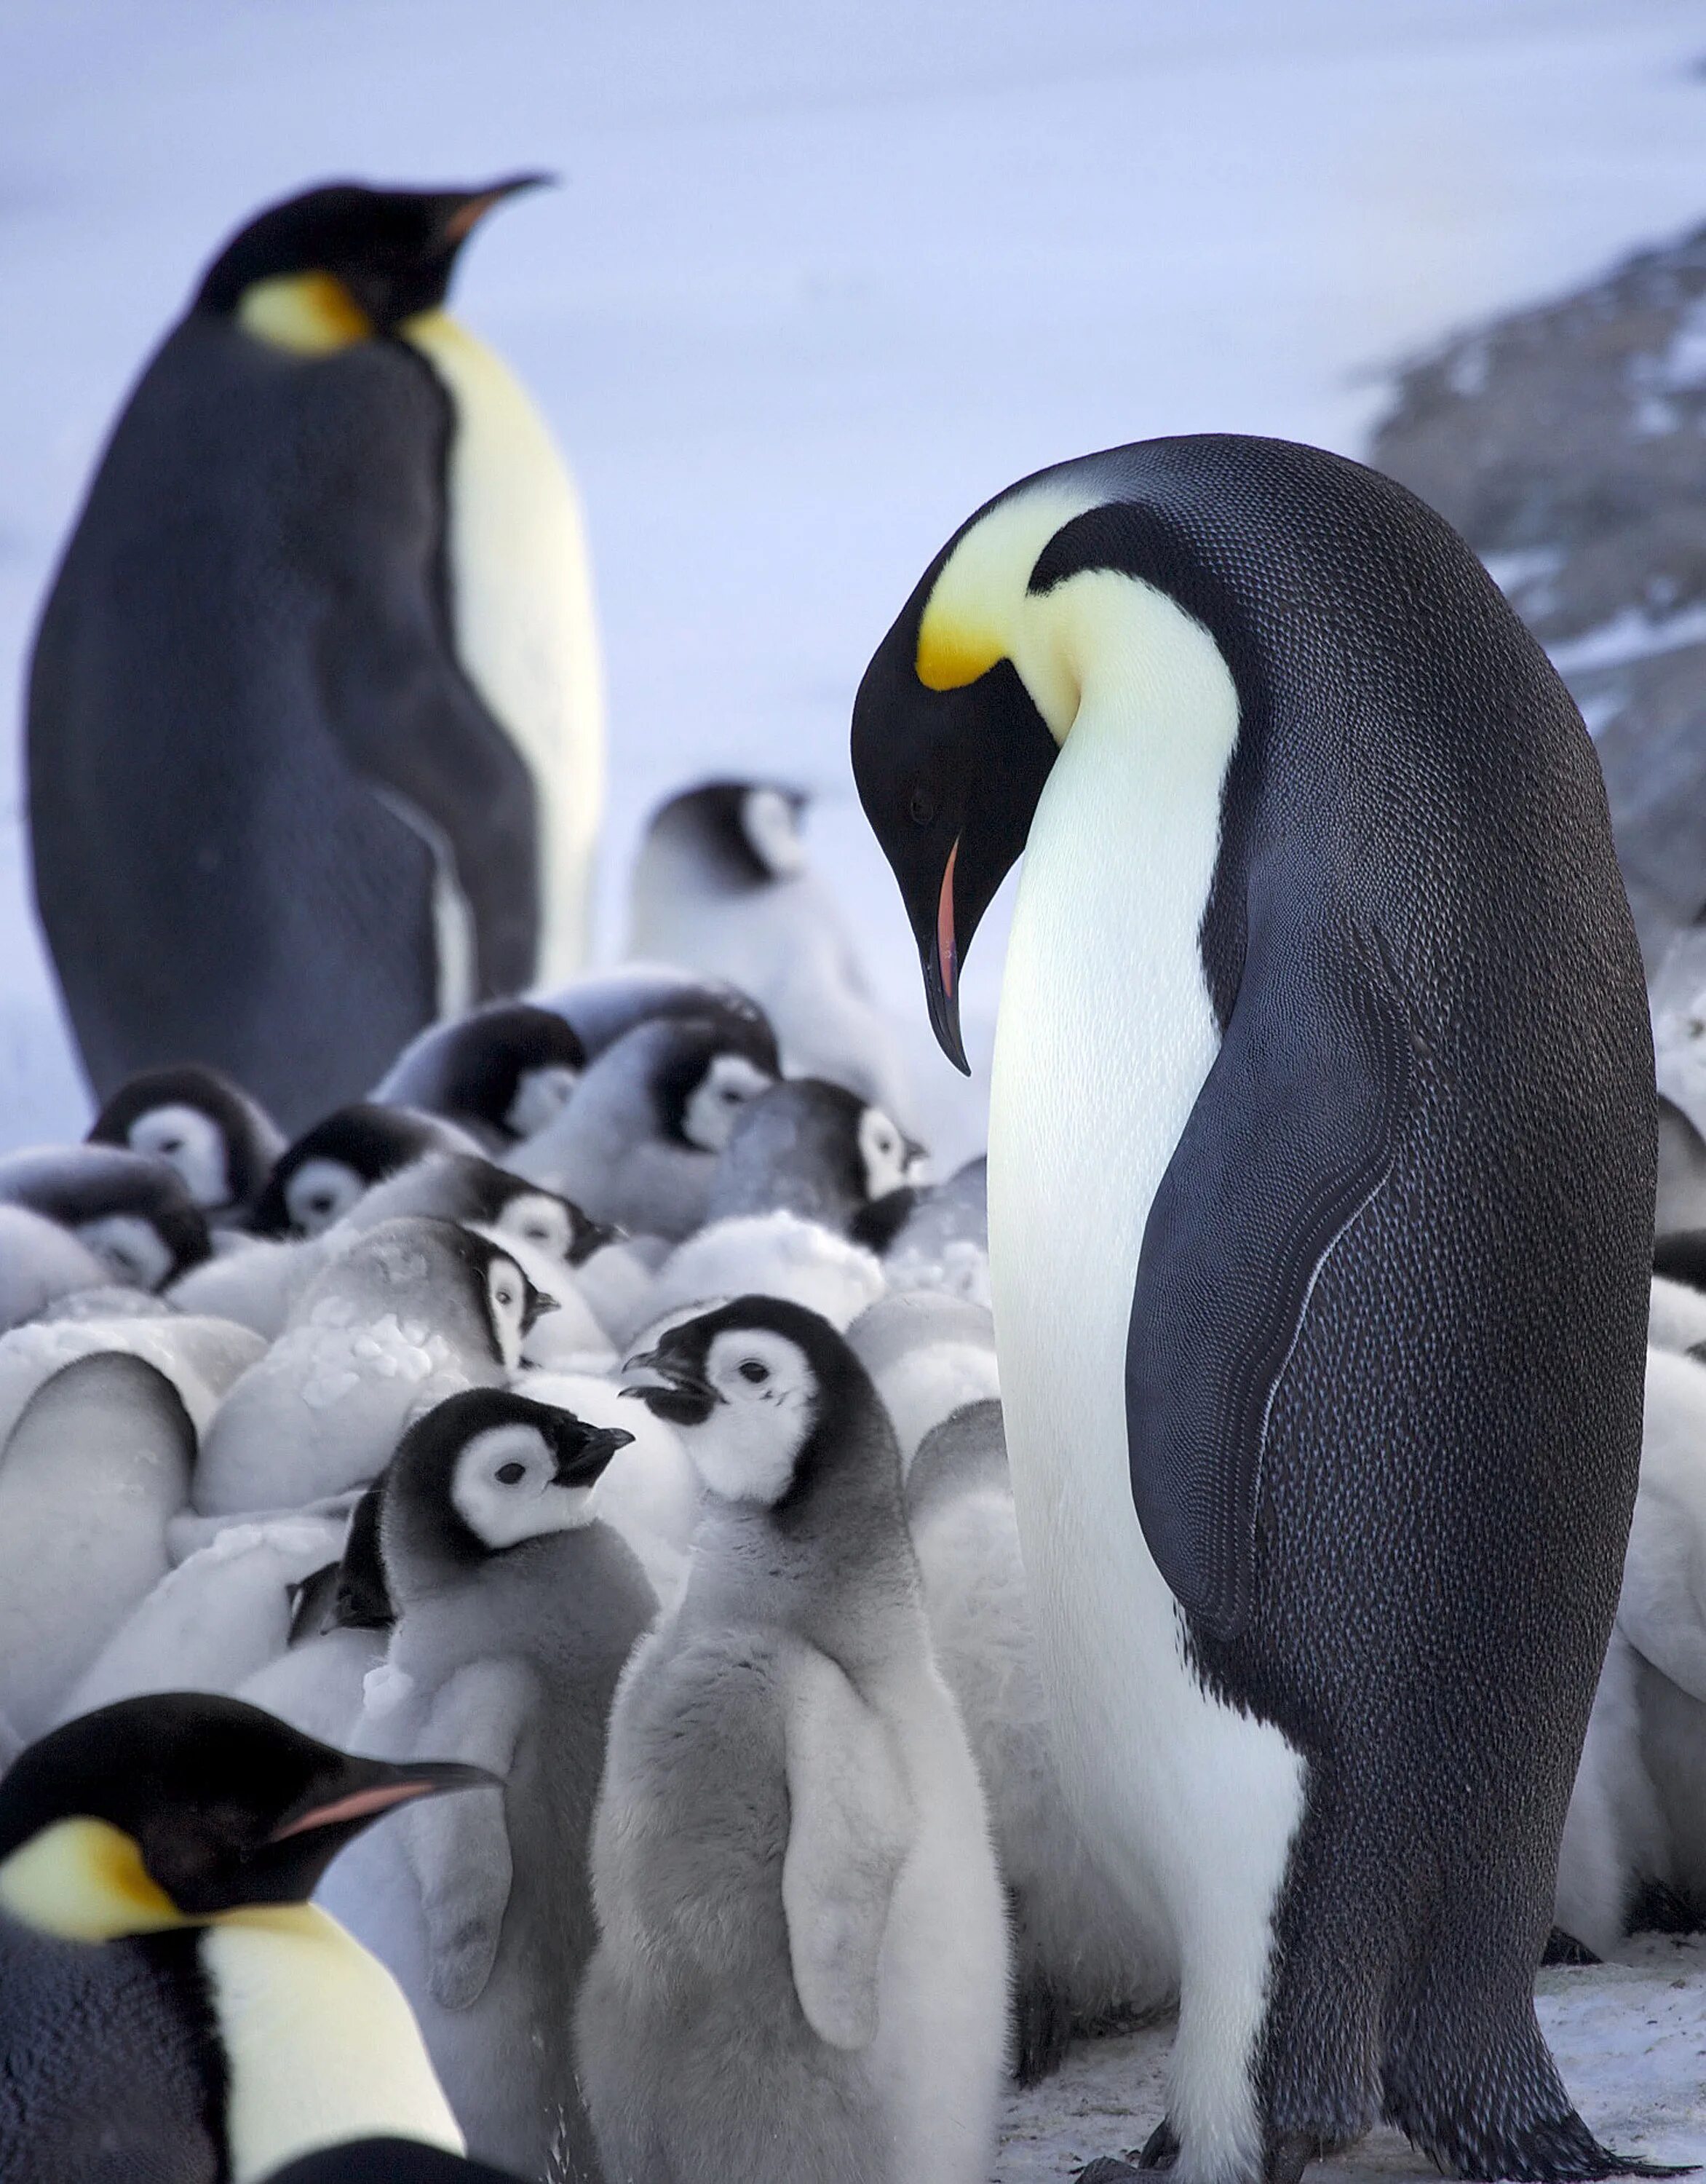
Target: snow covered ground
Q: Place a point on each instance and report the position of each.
(821, 277)
(1630, 2038)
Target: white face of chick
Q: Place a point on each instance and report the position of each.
(505, 1489)
(131, 1247)
(746, 1449)
(541, 1095)
(190, 1142)
(320, 1192)
(541, 1222)
(715, 1102)
(884, 1151)
(506, 1308)
(772, 829)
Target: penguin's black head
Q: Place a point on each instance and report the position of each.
(332, 1164)
(167, 1810)
(701, 1075)
(513, 1307)
(199, 1121)
(511, 1066)
(767, 1394)
(131, 1209)
(344, 262)
(834, 1143)
(350, 1593)
(486, 1470)
(743, 833)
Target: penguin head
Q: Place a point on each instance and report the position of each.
(462, 1187)
(343, 263)
(185, 1806)
(512, 1306)
(333, 1165)
(350, 1593)
(699, 1074)
(507, 1068)
(131, 1210)
(605, 1005)
(969, 699)
(757, 1388)
(553, 1225)
(222, 1143)
(738, 834)
(814, 1147)
(486, 1469)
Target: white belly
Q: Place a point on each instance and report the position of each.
(524, 626)
(322, 2046)
(1106, 1034)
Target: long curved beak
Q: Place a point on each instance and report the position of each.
(942, 971)
(473, 207)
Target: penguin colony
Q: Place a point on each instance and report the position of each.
(568, 1611)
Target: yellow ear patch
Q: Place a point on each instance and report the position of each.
(83, 1880)
(951, 655)
(309, 314)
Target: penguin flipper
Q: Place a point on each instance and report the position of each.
(1295, 1129)
(461, 1859)
(851, 1826)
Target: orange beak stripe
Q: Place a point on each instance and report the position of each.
(945, 952)
(355, 1806)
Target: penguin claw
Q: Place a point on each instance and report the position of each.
(1161, 2148)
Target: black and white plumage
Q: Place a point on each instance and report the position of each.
(318, 677)
(516, 1609)
(802, 1967)
(324, 1174)
(414, 1310)
(1321, 1001)
(502, 1072)
(811, 1148)
(639, 1140)
(722, 884)
(223, 1143)
(602, 1005)
(130, 1209)
(218, 2024)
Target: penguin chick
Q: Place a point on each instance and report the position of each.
(929, 1354)
(1675, 1315)
(341, 1619)
(200, 1122)
(602, 1006)
(638, 1143)
(39, 1263)
(501, 1072)
(1614, 1851)
(330, 1166)
(768, 1255)
(131, 1211)
(799, 1909)
(411, 1312)
(461, 1187)
(255, 1280)
(171, 2005)
(810, 1148)
(1082, 1952)
(201, 1357)
(650, 1495)
(722, 884)
(96, 1466)
(387, 2161)
(1681, 1195)
(516, 1610)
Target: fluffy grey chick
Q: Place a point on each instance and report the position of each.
(802, 1963)
(516, 1610)
(812, 1148)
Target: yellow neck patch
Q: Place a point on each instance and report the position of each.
(83, 1880)
(309, 314)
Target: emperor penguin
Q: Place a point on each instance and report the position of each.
(722, 884)
(814, 1148)
(132, 1210)
(315, 739)
(516, 1612)
(322, 1176)
(171, 2003)
(1320, 1198)
(502, 1072)
(600, 1005)
(801, 1968)
(222, 1143)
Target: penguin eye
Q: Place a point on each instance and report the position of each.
(504, 1295)
(171, 1144)
(922, 807)
(510, 1474)
(750, 1369)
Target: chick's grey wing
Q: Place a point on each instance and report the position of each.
(1295, 1129)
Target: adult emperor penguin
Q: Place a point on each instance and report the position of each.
(802, 1965)
(171, 2005)
(516, 1612)
(315, 748)
(1320, 1183)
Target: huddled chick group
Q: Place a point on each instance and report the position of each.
(606, 1409)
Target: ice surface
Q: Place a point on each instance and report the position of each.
(820, 279)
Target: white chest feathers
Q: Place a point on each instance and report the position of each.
(321, 2044)
(521, 603)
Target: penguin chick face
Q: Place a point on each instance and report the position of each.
(770, 820)
(540, 1095)
(513, 1307)
(345, 262)
(961, 714)
(746, 1399)
(888, 1155)
(132, 1247)
(317, 1180)
(512, 1483)
(555, 1226)
(201, 1123)
(184, 1807)
(190, 1142)
(710, 1110)
(319, 1194)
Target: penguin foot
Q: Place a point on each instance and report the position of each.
(1290, 2151)
(1105, 2168)
(1160, 2149)
(1561, 1949)
(1041, 2031)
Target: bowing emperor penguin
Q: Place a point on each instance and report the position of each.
(1320, 1185)
(315, 741)
(172, 2007)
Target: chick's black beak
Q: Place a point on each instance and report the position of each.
(588, 1463)
(537, 1305)
(592, 1236)
(680, 1394)
(940, 959)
